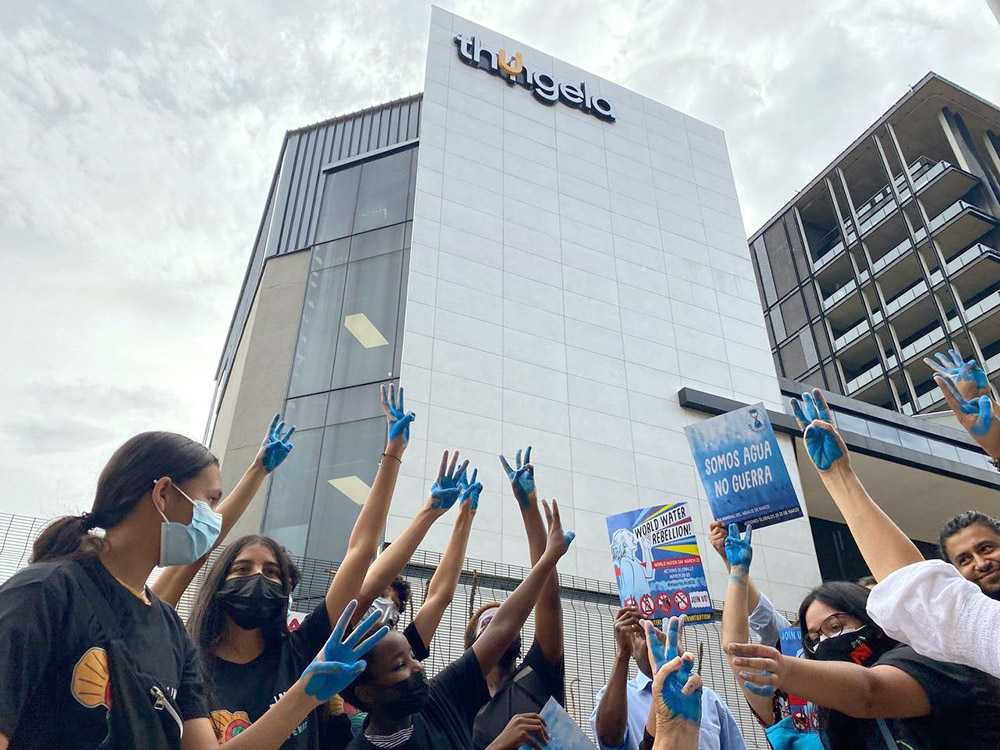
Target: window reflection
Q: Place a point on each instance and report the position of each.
(383, 191)
(346, 471)
(340, 196)
(318, 330)
(289, 505)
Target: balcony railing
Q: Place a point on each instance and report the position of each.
(928, 399)
(948, 214)
(872, 373)
(897, 252)
(983, 306)
(846, 338)
(902, 300)
(925, 341)
(993, 363)
(838, 295)
(968, 256)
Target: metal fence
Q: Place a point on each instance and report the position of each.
(589, 607)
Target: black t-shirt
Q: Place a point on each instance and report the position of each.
(241, 693)
(456, 695)
(535, 680)
(965, 708)
(54, 680)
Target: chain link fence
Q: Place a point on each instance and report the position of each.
(589, 608)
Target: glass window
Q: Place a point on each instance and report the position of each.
(355, 404)
(378, 242)
(330, 254)
(306, 412)
(371, 306)
(318, 331)
(881, 431)
(290, 502)
(347, 469)
(850, 423)
(914, 442)
(943, 450)
(340, 197)
(384, 188)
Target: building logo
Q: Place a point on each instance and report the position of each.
(544, 86)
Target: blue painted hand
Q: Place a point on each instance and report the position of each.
(822, 440)
(968, 376)
(447, 487)
(558, 540)
(470, 489)
(522, 478)
(275, 447)
(678, 690)
(397, 417)
(975, 415)
(763, 667)
(739, 553)
(340, 662)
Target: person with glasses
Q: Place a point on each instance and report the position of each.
(870, 690)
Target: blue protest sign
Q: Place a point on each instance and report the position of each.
(564, 734)
(742, 469)
(657, 563)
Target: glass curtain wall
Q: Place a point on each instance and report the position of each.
(349, 342)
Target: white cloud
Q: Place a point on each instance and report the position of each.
(139, 140)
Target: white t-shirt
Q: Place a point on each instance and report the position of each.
(931, 607)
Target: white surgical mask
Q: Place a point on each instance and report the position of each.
(180, 543)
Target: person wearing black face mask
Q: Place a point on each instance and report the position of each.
(255, 601)
(872, 692)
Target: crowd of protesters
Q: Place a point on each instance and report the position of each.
(92, 657)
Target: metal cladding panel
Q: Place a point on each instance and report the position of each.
(293, 202)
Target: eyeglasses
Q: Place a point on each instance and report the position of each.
(831, 627)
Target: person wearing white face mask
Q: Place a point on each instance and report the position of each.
(90, 657)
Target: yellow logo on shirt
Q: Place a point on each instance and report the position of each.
(91, 681)
(227, 724)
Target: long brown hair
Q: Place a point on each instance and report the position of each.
(125, 479)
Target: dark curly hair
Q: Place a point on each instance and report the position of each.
(963, 521)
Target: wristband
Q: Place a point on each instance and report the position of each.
(389, 455)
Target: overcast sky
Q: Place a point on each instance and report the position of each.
(137, 140)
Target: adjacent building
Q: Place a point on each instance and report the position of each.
(890, 254)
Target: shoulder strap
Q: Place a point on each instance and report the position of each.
(890, 741)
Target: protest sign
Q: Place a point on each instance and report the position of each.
(564, 734)
(742, 469)
(801, 710)
(657, 563)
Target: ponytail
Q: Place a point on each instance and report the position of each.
(66, 537)
(126, 478)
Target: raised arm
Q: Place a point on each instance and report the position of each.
(764, 620)
(882, 543)
(441, 589)
(548, 608)
(367, 532)
(274, 449)
(444, 493)
(507, 622)
(879, 692)
(610, 716)
(734, 619)
(334, 668)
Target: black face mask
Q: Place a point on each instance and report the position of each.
(409, 697)
(255, 602)
(864, 646)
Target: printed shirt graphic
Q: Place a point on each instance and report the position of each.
(657, 563)
(242, 693)
(55, 689)
(742, 468)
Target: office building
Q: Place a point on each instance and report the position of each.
(539, 256)
(890, 254)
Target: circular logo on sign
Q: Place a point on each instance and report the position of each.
(630, 603)
(682, 601)
(663, 603)
(646, 605)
